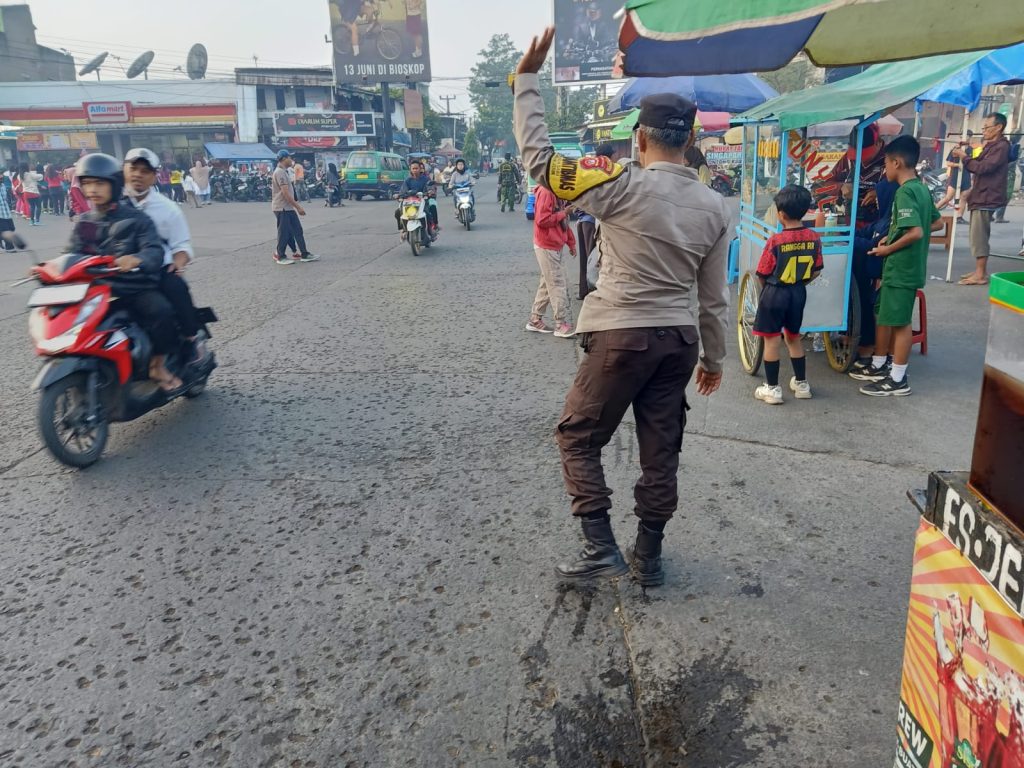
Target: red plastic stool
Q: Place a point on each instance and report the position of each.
(920, 334)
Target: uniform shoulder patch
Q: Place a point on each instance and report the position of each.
(569, 178)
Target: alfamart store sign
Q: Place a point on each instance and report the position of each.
(108, 111)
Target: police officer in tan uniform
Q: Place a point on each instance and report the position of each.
(661, 296)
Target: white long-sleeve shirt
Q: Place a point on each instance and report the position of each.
(170, 224)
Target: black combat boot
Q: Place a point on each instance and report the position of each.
(600, 557)
(647, 557)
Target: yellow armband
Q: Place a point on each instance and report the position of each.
(569, 179)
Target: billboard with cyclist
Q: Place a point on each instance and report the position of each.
(586, 40)
(380, 41)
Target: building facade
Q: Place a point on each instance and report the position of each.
(174, 118)
(22, 59)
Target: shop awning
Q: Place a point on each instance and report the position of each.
(239, 152)
(402, 139)
(877, 89)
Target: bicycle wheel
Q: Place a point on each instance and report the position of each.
(389, 44)
(841, 346)
(751, 346)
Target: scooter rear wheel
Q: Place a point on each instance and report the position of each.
(61, 419)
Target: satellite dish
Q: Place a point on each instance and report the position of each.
(196, 63)
(140, 65)
(93, 65)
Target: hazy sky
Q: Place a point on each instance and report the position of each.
(280, 33)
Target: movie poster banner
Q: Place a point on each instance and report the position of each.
(586, 40)
(962, 696)
(380, 41)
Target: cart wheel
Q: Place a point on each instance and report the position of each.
(751, 346)
(841, 346)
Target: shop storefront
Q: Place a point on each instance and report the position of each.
(173, 119)
(318, 138)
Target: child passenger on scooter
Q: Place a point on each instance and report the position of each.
(112, 228)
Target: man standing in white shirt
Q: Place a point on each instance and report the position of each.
(140, 173)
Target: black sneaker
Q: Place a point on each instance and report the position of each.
(887, 388)
(869, 372)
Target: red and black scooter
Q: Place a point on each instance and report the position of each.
(96, 368)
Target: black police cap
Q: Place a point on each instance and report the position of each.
(667, 110)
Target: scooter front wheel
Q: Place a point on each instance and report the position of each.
(64, 421)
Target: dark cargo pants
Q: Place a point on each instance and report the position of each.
(649, 369)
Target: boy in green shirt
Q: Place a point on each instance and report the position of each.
(905, 251)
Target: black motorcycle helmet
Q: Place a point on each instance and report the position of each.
(100, 166)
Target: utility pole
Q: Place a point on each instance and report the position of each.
(448, 112)
(385, 103)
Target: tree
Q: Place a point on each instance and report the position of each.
(577, 103)
(800, 73)
(491, 97)
(471, 148)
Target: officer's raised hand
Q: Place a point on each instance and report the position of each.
(535, 57)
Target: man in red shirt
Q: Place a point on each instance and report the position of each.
(551, 233)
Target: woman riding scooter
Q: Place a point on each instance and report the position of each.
(459, 176)
(333, 179)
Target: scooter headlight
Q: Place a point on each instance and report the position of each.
(88, 309)
(411, 211)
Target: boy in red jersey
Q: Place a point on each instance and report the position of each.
(791, 259)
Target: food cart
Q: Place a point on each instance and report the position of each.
(779, 149)
(772, 158)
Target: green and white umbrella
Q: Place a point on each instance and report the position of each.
(661, 38)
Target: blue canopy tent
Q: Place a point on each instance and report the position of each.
(712, 93)
(1001, 67)
(252, 153)
(1004, 66)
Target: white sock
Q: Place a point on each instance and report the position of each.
(898, 372)
(355, 50)
(878, 360)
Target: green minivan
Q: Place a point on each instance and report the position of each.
(379, 174)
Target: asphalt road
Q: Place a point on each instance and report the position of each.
(340, 556)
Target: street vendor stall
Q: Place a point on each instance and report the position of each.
(777, 151)
(962, 693)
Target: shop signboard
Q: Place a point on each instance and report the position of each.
(108, 111)
(962, 694)
(392, 36)
(586, 40)
(334, 124)
(36, 142)
(324, 142)
(413, 109)
(724, 154)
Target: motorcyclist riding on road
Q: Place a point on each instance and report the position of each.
(461, 175)
(418, 184)
(509, 179)
(113, 228)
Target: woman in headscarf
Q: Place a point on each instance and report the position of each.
(333, 179)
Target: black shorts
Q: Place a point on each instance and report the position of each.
(781, 308)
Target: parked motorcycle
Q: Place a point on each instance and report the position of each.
(96, 368)
(935, 182)
(415, 226)
(464, 204)
(725, 181)
(316, 188)
(221, 187)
